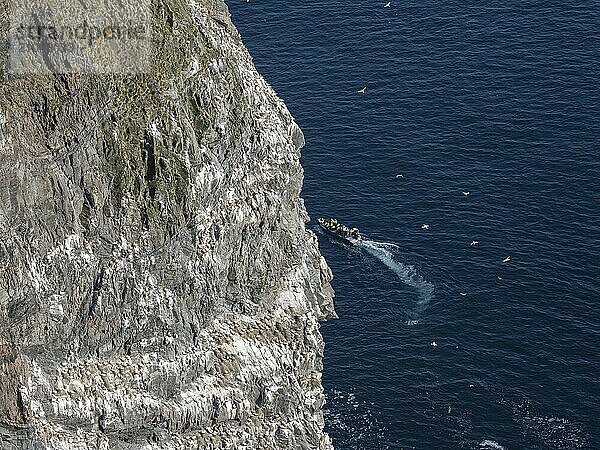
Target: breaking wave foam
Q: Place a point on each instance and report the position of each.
(490, 445)
(354, 422)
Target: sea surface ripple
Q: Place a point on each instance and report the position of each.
(500, 100)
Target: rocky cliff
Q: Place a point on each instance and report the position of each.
(158, 287)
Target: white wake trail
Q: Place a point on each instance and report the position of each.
(406, 273)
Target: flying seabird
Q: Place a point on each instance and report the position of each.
(466, 193)
(507, 259)
(425, 227)
(434, 344)
(399, 176)
(463, 293)
(474, 242)
(362, 91)
(388, 4)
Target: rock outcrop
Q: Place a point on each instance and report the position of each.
(158, 287)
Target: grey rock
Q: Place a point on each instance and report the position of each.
(158, 286)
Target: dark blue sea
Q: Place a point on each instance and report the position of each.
(440, 344)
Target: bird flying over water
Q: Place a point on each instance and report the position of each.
(362, 91)
(466, 193)
(425, 227)
(388, 4)
(399, 176)
(474, 242)
(507, 259)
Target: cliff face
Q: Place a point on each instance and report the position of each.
(158, 288)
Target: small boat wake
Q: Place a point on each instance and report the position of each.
(384, 251)
(406, 273)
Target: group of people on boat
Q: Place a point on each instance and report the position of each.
(335, 226)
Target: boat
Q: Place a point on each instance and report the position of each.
(336, 228)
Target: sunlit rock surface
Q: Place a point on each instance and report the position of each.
(158, 287)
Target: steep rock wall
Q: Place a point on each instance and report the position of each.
(158, 287)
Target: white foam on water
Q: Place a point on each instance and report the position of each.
(406, 273)
(354, 422)
(382, 244)
(488, 444)
(556, 432)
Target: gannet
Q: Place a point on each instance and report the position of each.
(388, 4)
(474, 242)
(362, 91)
(507, 259)
(424, 227)
(465, 193)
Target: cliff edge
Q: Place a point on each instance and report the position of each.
(158, 287)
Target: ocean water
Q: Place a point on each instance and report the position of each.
(440, 344)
